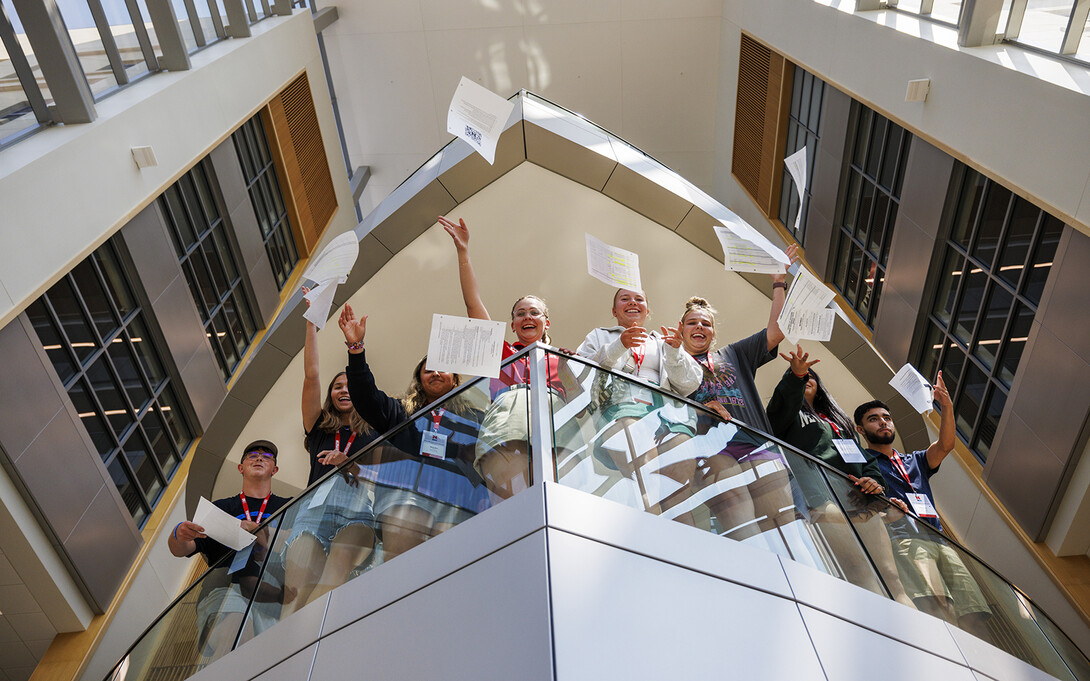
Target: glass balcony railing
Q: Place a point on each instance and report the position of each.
(618, 438)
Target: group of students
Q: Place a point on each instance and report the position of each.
(458, 459)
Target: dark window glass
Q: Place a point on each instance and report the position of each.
(211, 268)
(998, 255)
(869, 209)
(254, 155)
(123, 379)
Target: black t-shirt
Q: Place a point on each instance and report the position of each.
(321, 440)
(212, 549)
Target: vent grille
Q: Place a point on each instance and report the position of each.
(304, 165)
(760, 121)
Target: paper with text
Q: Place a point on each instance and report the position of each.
(221, 526)
(913, 387)
(796, 165)
(614, 266)
(460, 345)
(747, 250)
(477, 115)
(805, 314)
(329, 269)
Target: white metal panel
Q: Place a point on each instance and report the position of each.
(996, 663)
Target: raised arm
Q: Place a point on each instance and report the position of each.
(312, 386)
(947, 434)
(779, 295)
(783, 408)
(376, 407)
(471, 293)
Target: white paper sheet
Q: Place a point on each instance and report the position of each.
(330, 268)
(796, 165)
(613, 266)
(805, 314)
(465, 346)
(221, 526)
(913, 387)
(747, 250)
(477, 115)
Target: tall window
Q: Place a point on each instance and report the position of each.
(876, 166)
(96, 335)
(252, 148)
(994, 266)
(803, 130)
(208, 259)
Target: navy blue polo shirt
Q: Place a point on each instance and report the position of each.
(919, 473)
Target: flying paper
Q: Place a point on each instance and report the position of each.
(330, 268)
(747, 250)
(614, 266)
(477, 115)
(796, 165)
(806, 314)
(465, 346)
(913, 387)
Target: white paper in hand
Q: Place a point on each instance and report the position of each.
(613, 266)
(477, 115)
(913, 387)
(747, 250)
(221, 526)
(465, 346)
(796, 165)
(806, 314)
(330, 268)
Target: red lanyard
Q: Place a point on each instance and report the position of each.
(710, 366)
(836, 429)
(638, 357)
(436, 416)
(901, 469)
(260, 512)
(337, 442)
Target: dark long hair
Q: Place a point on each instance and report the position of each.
(824, 403)
(415, 398)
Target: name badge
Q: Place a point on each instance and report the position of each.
(433, 444)
(642, 395)
(922, 506)
(849, 451)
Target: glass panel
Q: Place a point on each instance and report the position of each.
(1064, 646)
(891, 155)
(1044, 23)
(874, 148)
(990, 423)
(109, 396)
(878, 224)
(1012, 350)
(223, 254)
(851, 202)
(972, 189)
(804, 99)
(186, 25)
(842, 261)
(183, 233)
(145, 352)
(70, 314)
(124, 33)
(993, 324)
(868, 294)
(16, 115)
(221, 282)
(51, 340)
(947, 10)
(160, 441)
(116, 282)
(89, 415)
(970, 399)
(991, 224)
(204, 191)
(136, 452)
(971, 300)
(950, 277)
(855, 273)
(952, 363)
(94, 297)
(120, 351)
(635, 446)
(209, 294)
(179, 431)
(129, 494)
(221, 329)
(862, 133)
(1083, 51)
(931, 348)
(813, 120)
(1019, 239)
(1042, 258)
(88, 44)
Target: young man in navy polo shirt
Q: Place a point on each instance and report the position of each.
(932, 572)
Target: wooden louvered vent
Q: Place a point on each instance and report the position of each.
(760, 122)
(303, 167)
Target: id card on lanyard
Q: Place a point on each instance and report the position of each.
(639, 393)
(921, 503)
(432, 442)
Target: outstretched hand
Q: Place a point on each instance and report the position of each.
(942, 395)
(458, 232)
(671, 335)
(633, 337)
(798, 359)
(792, 253)
(353, 329)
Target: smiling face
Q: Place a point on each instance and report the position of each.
(529, 319)
(338, 394)
(697, 331)
(435, 383)
(630, 308)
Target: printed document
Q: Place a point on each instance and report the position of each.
(614, 266)
(806, 314)
(465, 346)
(913, 387)
(796, 165)
(478, 115)
(221, 526)
(329, 269)
(747, 250)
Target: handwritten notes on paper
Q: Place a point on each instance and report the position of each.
(796, 165)
(913, 387)
(465, 346)
(477, 115)
(330, 268)
(747, 250)
(221, 526)
(614, 266)
(806, 314)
